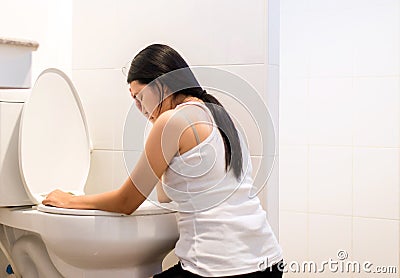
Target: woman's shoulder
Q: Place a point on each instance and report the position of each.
(178, 115)
(170, 119)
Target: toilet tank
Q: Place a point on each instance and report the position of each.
(12, 191)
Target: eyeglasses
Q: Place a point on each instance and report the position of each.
(125, 68)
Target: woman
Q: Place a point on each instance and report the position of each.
(195, 150)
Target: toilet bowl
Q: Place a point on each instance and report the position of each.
(54, 151)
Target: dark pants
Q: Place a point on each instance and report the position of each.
(178, 272)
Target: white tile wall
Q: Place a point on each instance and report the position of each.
(205, 33)
(294, 38)
(330, 37)
(108, 170)
(376, 182)
(339, 97)
(333, 38)
(376, 37)
(252, 74)
(273, 31)
(11, 14)
(316, 111)
(334, 234)
(330, 111)
(293, 109)
(45, 21)
(377, 111)
(100, 177)
(272, 98)
(294, 239)
(377, 241)
(106, 100)
(293, 178)
(330, 180)
(271, 193)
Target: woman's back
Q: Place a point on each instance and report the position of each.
(222, 230)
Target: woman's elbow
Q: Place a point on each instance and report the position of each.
(128, 206)
(128, 211)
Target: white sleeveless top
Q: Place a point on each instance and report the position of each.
(223, 231)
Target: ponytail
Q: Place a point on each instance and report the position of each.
(228, 131)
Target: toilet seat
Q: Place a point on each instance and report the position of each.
(65, 211)
(54, 145)
(146, 208)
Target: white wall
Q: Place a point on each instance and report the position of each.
(339, 130)
(45, 21)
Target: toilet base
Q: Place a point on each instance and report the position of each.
(32, 259)
(26, 245)
(87, 246)
(141, 271)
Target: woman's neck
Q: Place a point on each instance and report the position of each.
(183, 98)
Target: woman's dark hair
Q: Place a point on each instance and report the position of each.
(156, 60)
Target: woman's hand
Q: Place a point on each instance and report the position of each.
(58, 198)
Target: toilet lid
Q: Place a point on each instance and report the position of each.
(54, 146)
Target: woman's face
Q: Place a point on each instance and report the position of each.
(146, 100)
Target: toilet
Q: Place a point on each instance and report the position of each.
(45, 145)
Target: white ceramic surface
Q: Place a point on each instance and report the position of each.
(97, 245)
(54, 147)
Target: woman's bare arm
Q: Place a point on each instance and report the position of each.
(161, 146)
